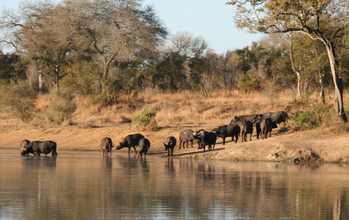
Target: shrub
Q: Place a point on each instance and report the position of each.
(61, 108)
(146, 119)
(312, 119)
(20, 97)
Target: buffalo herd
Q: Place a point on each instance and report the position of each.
(242, 126)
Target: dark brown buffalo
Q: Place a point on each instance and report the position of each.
(144, 144)
(106, 145)
(258, 127)
(242, 118)
(246, 128)
(129, 141)
(276, 117)
(206, 138)
(186, 136)
(266, 127)
(23, 144)
(169, 145)
(231, 130)
(40, 147)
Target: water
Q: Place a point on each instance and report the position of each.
(84, 185)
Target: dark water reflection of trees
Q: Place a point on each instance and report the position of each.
(88, 186)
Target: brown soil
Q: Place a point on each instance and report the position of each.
(176, 112)
(285, 145)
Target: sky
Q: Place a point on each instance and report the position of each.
(210, 19)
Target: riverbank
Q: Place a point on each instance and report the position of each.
(315, 146)
(175, 112)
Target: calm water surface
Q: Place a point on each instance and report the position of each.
(84, 185)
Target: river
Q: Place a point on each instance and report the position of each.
(84, 185)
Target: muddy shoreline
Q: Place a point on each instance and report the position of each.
(313, 146)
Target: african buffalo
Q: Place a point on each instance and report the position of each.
(243, 118)
(38, 147)
(266, 127)
(106, 145)
(246, 128)
(23, 144)
(231, 130)
(186, 136)
(144, 144)
(129, 141)
(276, 117)
(258, 127)
(206, 138)
(169, 145)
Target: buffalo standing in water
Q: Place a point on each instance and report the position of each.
(106, 145)
(169, 145)
(144, 144)
(39, 147)
(130, 141)
(23, 144)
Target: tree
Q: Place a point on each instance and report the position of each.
(310, 17)
(39, 35)
(115, 31)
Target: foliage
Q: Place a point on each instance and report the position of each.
(146, 119)
(88, 48)
(20, 98)
(61, 109)
(312, 119)
(247, 82)
(11, 68)
(322, 20)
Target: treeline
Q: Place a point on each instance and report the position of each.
(107, 48)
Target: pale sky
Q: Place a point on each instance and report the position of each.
(210, 19)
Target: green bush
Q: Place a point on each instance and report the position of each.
(312, 119)
(146, 119)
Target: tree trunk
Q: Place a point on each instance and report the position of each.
(40, 82)
(338, 85)
(57, 77)
(322, 90)
(294, 69)
(298, 84)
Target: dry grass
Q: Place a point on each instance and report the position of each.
(181, 109)
(90, 123)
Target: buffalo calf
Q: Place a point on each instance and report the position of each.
(144, 145)
(106, 145)
(169, 145)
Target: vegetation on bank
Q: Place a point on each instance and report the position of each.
(151, 110)
(107, 56)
